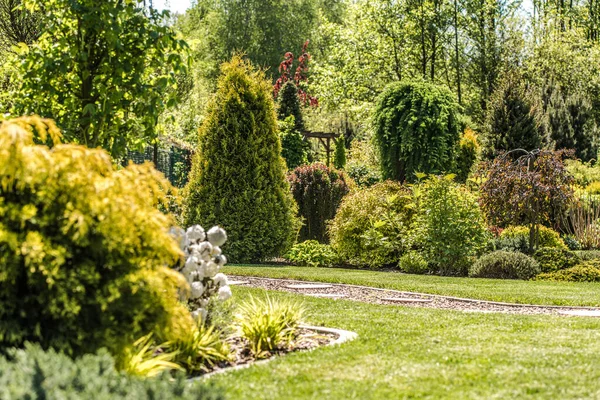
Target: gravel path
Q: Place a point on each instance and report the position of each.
(409, 299)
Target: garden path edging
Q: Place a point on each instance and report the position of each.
(371, 295)
(343, 337)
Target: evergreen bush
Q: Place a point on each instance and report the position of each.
(238, 176)
(468, 152)
(32, 373)
(416, 130)
(294, 149)
(586, 272)
(318, 190)
(84, 252)
(505, 265)
(554, 259)
(339, 159)
(289, 105)
(513, 118)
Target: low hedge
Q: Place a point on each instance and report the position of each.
(505, 265)
(586, 272)
(33, 373)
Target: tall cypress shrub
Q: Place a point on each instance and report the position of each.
(416, 130)
(238, 176)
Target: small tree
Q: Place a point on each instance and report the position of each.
(531, 190)
(318, 190)
(299, 78)
(416, 130)
(103, 70)
(238, 175)
(513, 120)
(339, 160)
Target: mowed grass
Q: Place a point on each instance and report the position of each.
(405, 353)
(511, 291)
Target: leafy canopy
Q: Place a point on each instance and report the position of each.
(102, 69)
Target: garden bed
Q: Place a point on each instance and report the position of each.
(309, 338)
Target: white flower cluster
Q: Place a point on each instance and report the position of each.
(203, 262)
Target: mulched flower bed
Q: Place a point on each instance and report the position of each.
(406, 299)
(308, 339)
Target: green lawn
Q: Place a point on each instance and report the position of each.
(426, 353)
(525, 292)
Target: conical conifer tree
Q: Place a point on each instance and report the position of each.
(513, 119)
(238, 176)
(289, 104)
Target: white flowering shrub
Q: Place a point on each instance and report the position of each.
(204, 259)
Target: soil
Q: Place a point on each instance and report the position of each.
(405, 299)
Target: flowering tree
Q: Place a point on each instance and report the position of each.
(300, 75)
(203, 261)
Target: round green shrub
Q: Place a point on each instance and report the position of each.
(547, 236)
(84, 252)
(553, 259)
(586, 272)
(450, 229)
(416, 130)
(413, 263)
(373, 225)
(505, 265)
(318, 191)
(312, 254)
(238, 175)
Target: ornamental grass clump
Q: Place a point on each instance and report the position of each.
(269, 324)
(85, 255)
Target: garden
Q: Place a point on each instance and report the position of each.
(299, 199)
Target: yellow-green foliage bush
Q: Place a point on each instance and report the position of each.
(547, 236)
(84, 253)
(373, 225)
(588, 271)
(468, 152)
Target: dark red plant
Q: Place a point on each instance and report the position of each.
(300, 75)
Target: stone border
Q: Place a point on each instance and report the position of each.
(343, 337)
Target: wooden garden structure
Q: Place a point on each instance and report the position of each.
(325, 138)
